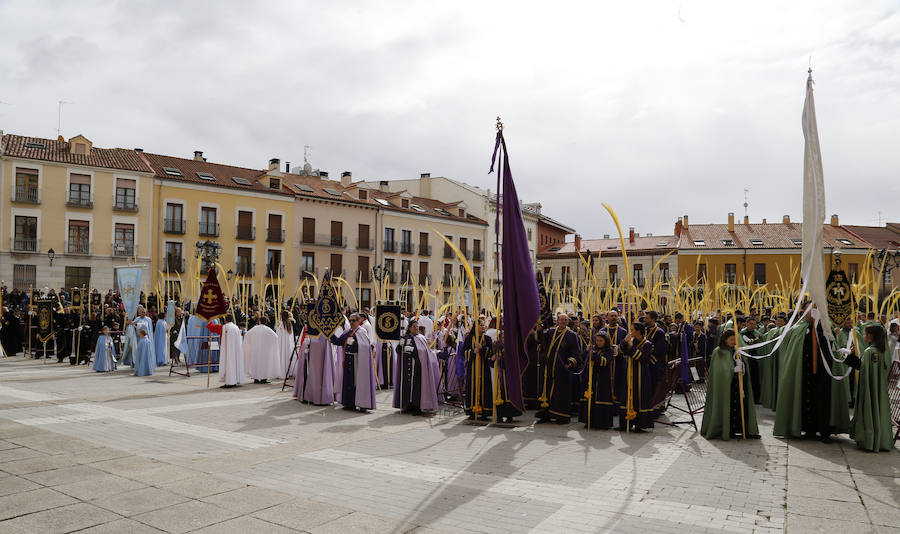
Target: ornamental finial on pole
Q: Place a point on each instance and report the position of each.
(499, 124)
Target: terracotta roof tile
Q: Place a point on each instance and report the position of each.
(59, 152)
(762, 236)
(879, 236)
(613, 247)
(223, 174)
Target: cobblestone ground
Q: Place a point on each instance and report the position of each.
(116, 453)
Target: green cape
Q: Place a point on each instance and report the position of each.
(717, 411)
(871, 425)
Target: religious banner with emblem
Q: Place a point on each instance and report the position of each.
(211, 304)
(35, 296)
(45, 319)
(95, 299)
(326, 314)
(387, 322)
(837, 293)
(76, 298)
(305, 310)
(129, 281)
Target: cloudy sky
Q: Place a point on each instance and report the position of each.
(658, 108)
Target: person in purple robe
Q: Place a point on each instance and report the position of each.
(656, 335)
(357, 377)
(315, 371)
(384, 359)
(598, 408)
(416, 373)
(560, 358)
(681, 344)
(635, 393)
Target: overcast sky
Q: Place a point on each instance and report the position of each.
(658, 108)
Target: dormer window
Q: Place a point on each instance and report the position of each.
(80, 148)
(462, 212)
(274, 183)
(404, 203)
(363, 194)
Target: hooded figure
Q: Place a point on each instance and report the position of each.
(231, 354)
(416, 374)
(144, 359)
(161, 342)
(104, 352)
(261, 358)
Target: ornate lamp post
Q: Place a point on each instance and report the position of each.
(51, 254)
(887, 261)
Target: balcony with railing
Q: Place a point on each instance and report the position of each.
(466, 252)
(424, 250)
(208, 229)
(389, 246)
(324, 240)
(477, 254)
(406, 248)
(309, 274)
(174, 264)
(244, 268)
(124, 204)
(390, 277)
(26, 194)
(365, 244)
(424, 279)
(364, 276)
(174, 226)
(245, 232)
(124, 250)
(80, 247)
(447, 279)
(274, 270)
(80, 200)
(275, 235)
(24, 244)
(448, 253)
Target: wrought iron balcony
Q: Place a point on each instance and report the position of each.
(173, 226)
(424, 250)
(274, 270)
(174, 264)
(124, 250)
(365, 244)
(124, 204)
(245, 232)
(244, 268)
(26, 193)
(78, 246)
(275, 235)
(390, 246)
(406, 248)
(208, 229)
(24, 244)
(80, 200)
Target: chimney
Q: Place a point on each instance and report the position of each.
(138, 150)
(679, 225)
(425, 184)
(631, 234)
(605, 236)
(578, 242)
(835, 221)
(685, 221)
(383, 185)
(765, 221)
(323, 175)
(731, 222)
(346, 178)
(786, 219)
(287, 166)
(274, 164)
(198, 155)
(746, 219)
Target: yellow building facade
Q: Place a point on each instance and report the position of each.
(92, 207)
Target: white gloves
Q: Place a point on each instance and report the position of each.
(747, 340)
(739, 366)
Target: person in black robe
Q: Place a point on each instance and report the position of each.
(173, 335)
(478, 397)
(531, 375)
(410, 368)
(560, 358)
(634, 392)
(351, 353)
(598, 407)
(10, 332)
(656, 335)
(506, 410)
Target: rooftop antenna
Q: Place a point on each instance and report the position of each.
(746, 202)
(59, 116)
(879, 219)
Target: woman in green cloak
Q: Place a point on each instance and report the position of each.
(722, 414)
(871, 423)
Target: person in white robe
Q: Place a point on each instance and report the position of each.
(231, 354)
(261, 358)
(286, 344)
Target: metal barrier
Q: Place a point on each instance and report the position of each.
(694, 393)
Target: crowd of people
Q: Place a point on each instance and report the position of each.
(606, 370)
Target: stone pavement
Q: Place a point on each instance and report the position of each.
(81, 451)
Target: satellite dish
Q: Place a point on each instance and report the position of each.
(307, 169)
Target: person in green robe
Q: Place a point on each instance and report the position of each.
(750, 336)
(722, 412)
(841, 337)
(810, 401)
(768, 366)
(871, 424)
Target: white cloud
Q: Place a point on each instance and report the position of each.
(659, 108)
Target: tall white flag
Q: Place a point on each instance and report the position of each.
(814, 209)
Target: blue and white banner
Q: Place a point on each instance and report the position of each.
(129, 280)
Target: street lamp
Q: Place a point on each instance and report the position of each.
(889, 261)
(51, 254)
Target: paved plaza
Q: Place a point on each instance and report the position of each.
(92, 453)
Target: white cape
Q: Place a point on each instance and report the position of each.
(285, 349)
(261, 356)
(231, 356)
